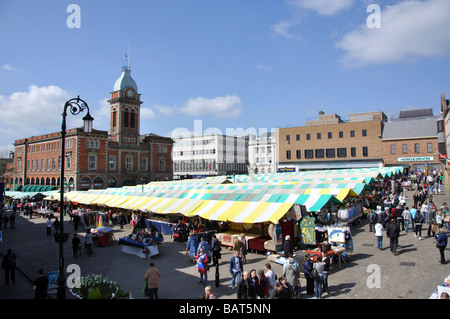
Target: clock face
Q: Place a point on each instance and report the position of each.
(130, 93)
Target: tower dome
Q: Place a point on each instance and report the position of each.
(125, 80)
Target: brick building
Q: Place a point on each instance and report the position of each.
(98, 159)
(414, 140)
(330, 142)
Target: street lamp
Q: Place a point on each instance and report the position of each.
(75, 106)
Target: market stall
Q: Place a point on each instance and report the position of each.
(141, 243)
(103, 236)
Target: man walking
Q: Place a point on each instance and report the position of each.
(393, 232)
(9, 264)
(40, 285)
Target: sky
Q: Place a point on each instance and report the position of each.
(230, 67)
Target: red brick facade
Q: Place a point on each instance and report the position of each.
(98, 159)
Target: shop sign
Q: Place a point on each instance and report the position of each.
(308, 230)
(415, 159)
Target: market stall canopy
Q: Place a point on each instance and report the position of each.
(252, 199)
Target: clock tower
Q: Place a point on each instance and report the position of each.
(125, 105)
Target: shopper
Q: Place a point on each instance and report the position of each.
(442, 244)
(418, 220)
(393, 232)
(326, 270)
(202, 266)
(307, 270)
(379, 234)
(244, 248)
(208, 293)
(215, 247)
(292, 274)
(243, 287)
(88, 241)
(271, 277)
(40, 285)
(236, 269)
(318, 280)
(192, 245)
(253, 281)
(263, 285)
(152, 276)
(76, 242)
(49, 225)
(9, 265)
(406, 218)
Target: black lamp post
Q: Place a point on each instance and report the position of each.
(75, 106)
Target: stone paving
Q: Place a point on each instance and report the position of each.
(413, 274)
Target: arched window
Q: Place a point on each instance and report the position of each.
(132, 119)
(126, 117)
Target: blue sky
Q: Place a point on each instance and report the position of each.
(231, 64)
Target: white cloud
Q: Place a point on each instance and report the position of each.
(409, 30)
(283, 28)
(165, 110)
(147, 114)
(322, 7)
(34, 112)
(8, 67)
(222, 107)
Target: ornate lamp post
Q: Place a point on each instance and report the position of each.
(75, 106)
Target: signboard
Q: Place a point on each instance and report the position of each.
(286, 170)
(308, 230)
(415, 159)
(53, 281)
(277, 237)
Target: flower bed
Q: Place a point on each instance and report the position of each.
(95, 286)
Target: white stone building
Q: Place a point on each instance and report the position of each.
(209, 155)
(262, 154)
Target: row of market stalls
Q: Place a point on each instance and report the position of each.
(264, 207)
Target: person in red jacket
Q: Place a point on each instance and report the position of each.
(202, 264)
(263, 285)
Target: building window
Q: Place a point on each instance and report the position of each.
(352, 133)
(144, 163)
(42, 165)
(53, 164)
(330, 135)
(364, 132)
(331, 153)
(393, 149)
(405, 148)
(68, 160)
(342, 152)
(417, 148)
(297, 137)
(320, 153)
(429, 147)
(309, 154)
(129, 163)
(288, 138)
(365, 150)
(353, 151)
(319, 136)
(288, 154)
(308, 136)
(341, 134)
(298, 154)
(92, 162)
(112, 163)
(162, 164)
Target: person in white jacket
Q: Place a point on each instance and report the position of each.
(379, 234)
